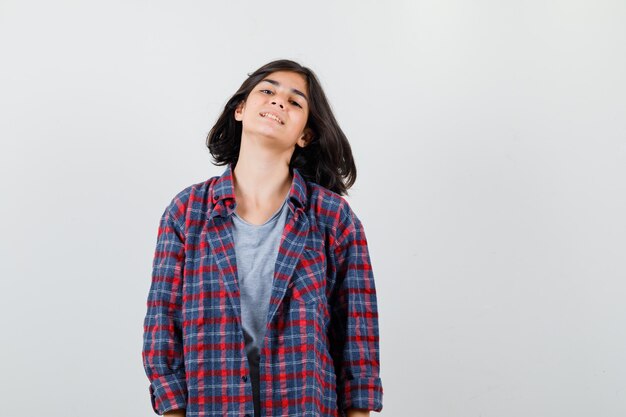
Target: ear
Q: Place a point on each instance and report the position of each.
(239, 111)
(306, 137)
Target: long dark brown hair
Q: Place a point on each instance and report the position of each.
(326, 160)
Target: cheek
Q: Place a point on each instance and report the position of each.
(302, 120)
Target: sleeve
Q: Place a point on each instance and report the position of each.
(162, 338)
(353, 330)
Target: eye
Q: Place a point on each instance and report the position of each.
(296, 103)
(266, 90)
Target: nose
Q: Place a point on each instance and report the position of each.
(281, 105)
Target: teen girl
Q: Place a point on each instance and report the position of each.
(262, 301)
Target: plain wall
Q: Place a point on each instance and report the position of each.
(490, 142)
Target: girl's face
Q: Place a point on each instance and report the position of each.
(277, 108)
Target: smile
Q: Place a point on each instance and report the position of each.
(273, 117)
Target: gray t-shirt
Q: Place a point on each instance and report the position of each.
(256, 249)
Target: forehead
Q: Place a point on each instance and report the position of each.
(286, 79)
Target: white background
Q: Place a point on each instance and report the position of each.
(490, 142)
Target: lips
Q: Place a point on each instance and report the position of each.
(272, 116)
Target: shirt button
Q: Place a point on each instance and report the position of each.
(244, 378)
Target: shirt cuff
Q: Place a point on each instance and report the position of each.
(168, 392)
(361, 392)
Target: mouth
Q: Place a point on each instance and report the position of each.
(272, 116)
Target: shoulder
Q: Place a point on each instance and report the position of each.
(190, 203)
(332, 212)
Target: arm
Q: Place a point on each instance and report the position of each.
(177, 413)
(162, 339)
(358, 412)
(353, 332)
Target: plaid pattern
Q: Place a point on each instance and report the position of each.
(320, 354)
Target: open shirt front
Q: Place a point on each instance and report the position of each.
(320, 354)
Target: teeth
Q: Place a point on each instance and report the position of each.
(271, 116)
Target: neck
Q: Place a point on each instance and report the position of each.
(260, 177)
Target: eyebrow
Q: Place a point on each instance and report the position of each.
(277, 84)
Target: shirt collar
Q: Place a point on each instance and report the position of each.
(223, 191)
